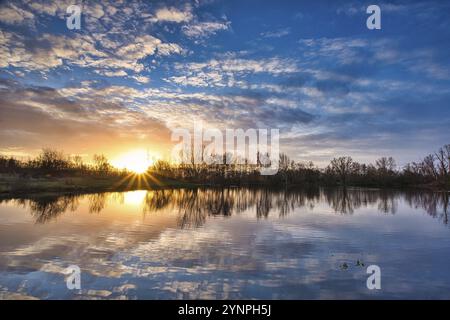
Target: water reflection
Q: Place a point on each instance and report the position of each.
(226, 244)
(194, 206)
(346, 201)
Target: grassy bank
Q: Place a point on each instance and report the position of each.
(14, 184)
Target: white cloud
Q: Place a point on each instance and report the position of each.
(141, 79)
(51, 51)
(166, 49)
(12, 14)
(270, 65)
(52, 8)
(173, 15)
(228, 72)
(118, 73)
(342, 50)
(139, 48)
(104, 49)
(94, 10)
(204, 29)
(277, 33)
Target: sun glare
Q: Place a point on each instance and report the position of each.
(134, 198)
(136, 161)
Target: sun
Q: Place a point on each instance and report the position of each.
(136, 161)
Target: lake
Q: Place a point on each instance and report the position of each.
(227, 244)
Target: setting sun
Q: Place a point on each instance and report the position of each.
(136, 161)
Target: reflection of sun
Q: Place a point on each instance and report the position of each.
(136, 161)
(134, 197)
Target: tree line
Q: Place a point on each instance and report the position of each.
(56, 163)
(433, 170)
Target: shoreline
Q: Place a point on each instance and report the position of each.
(16, 187)
(13, 186)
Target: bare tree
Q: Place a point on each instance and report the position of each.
(385, 164)
(443, 158)
(101, 163)
(343, 167)
(428, 167)
(52, 160)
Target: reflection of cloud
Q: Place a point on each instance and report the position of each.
(228, 258)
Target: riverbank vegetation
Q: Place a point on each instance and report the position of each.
(54, 171)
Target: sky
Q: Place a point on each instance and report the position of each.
(312, 69)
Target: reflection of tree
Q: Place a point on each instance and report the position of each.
(195, 205)
(436, 204)
(340, 200)
(387, 203)
(445, 205)
(346, 201)
(158, 199)
(45, 209)
(264, 204)
(97, 202)
(192, 208)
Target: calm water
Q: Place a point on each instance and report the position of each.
(227, 244)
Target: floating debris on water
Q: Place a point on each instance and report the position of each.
(344, 266)
(359, 263)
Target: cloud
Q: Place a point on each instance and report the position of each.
(105, 49)
(141, 79)
(277, 33)
(174, 15)
(120, 116)
(118, 73)
(51, 8)
(166, 49)
(344, 50)
(51, 51)
(352, 56)
(50, 117)
(11, 14)
(331, 94)
(94, 10)
(229, 71)
(204, 29)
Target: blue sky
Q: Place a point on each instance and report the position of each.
(312, 69)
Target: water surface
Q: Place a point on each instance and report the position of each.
(227, 244)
